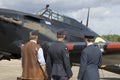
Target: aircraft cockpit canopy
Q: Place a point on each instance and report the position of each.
(48, 13)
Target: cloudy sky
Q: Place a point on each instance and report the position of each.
(104, 14)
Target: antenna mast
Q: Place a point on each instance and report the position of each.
(88, 17)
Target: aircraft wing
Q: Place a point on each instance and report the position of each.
(110, 50)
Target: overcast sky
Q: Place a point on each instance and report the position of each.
(104, 14)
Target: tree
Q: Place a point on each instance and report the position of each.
(113, 38)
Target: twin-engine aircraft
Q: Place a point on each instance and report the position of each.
(15, 27)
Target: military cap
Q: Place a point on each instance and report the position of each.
(89, 35)
(34, 32)
(61, 32)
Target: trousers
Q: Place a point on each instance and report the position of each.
(59, 78)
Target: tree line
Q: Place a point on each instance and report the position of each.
(112, 37)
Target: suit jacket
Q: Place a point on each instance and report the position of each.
(30, 66)
(58, 62)
(91, 59)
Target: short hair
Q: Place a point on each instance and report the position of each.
(89, 36)
(33, 34)
(61, 32)
(90, 39)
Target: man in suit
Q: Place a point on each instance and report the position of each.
(58, 63)
(91, 60)
(33, 63)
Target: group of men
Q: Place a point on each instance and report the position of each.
(57, 65)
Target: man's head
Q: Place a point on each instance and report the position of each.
(89, 37)
(34, 35)
(61, 35)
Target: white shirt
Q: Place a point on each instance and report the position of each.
(90, 44)
(41, 59)
(40, 55)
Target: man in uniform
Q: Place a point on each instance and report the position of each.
(91, 60)
(33, 63)
(58, 63)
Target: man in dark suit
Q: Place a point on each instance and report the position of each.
(91, 60)
(58, 63)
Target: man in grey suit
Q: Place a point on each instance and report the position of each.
(91, 60)
(58, 63)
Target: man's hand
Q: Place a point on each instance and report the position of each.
(46, 75)
(70, 78)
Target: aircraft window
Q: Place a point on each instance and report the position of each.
(56, 16)
(52, 15)
(61, 18)
(47, 14)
